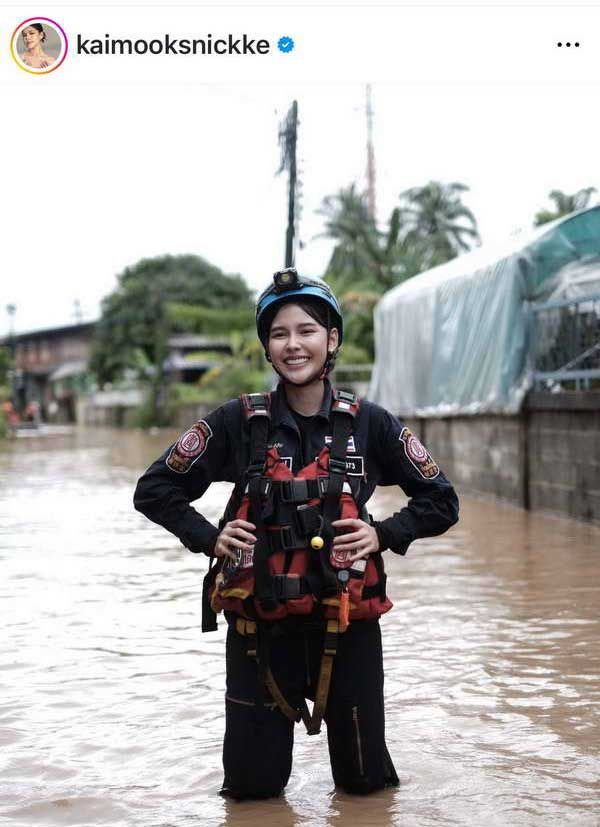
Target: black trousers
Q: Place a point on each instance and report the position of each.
(257, 750)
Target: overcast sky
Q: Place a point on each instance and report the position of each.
(97, 177)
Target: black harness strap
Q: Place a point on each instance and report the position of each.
(256, 408)
(209, 618)
(344, 409)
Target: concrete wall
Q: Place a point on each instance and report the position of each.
(564, 451)
(115, 408)
(547, 457)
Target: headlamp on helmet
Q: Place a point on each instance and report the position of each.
(286, 280)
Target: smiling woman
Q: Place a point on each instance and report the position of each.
(34, 37)
(298, 568)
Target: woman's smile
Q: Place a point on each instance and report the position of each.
(296, 361)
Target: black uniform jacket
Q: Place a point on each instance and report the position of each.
(381, 451)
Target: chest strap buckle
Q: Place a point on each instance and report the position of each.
(293, 491)
(337, 466)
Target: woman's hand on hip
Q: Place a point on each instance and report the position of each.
(235, 535)
(360, 538)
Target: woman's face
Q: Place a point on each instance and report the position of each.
(298, 344)
(32, 37)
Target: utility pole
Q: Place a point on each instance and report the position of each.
(11, 309)
(288, 137)
(370, 157)
(13, 376)
(77, 311)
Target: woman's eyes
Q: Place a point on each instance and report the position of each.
(282, 334)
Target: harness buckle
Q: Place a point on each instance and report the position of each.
(294, 491)
(345, 402)
(337, 466)
(286, 586)
(255, 469)
(287, 537)
(309, 519)
(266, 485)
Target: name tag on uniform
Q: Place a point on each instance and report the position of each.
(355, 466)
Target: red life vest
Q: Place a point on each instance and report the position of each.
(301, 579)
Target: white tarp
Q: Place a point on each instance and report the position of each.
(453, 340)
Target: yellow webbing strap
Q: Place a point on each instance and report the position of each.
(329, 652)
(247, 628)
(289, 712)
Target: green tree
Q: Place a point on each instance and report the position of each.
(564, 204)
(138, 319)
(435, 220)
(245, 371)
(365, 262)
(365, 258)
(430, 226)
(5, 367)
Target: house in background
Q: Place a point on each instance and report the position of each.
(51, 367)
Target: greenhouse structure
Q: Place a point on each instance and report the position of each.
(460, 339)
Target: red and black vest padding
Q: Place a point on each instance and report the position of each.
(292, 570)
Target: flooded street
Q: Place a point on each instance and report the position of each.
(112, 709)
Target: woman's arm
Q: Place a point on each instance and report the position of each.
(404, 461)
(203, 454)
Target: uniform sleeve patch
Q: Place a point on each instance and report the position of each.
(189, 447)
(418, 455)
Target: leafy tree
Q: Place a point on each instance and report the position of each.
(564, 204)
(364, 257)
(425, 230)
(210, 320)
(435, 219)
(138, 319)
(245, 371)
(5, 365)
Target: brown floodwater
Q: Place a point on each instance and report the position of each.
(112, 702)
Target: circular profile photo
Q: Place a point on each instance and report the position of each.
(39, 45)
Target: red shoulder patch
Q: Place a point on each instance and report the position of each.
(189, 447)
(418, 455)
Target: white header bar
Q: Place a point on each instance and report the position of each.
(410, 45)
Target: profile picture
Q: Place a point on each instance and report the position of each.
(39, 45)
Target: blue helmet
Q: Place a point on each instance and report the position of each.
(287, 286)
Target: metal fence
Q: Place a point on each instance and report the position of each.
(564, 341)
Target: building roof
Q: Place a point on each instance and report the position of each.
(49, 332)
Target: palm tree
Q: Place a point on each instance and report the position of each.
(435, 218)
(564, 204)
(365, 258)
(348, 223)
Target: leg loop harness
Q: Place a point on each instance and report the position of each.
(312, 721)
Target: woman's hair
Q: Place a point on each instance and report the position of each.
(39, 27)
